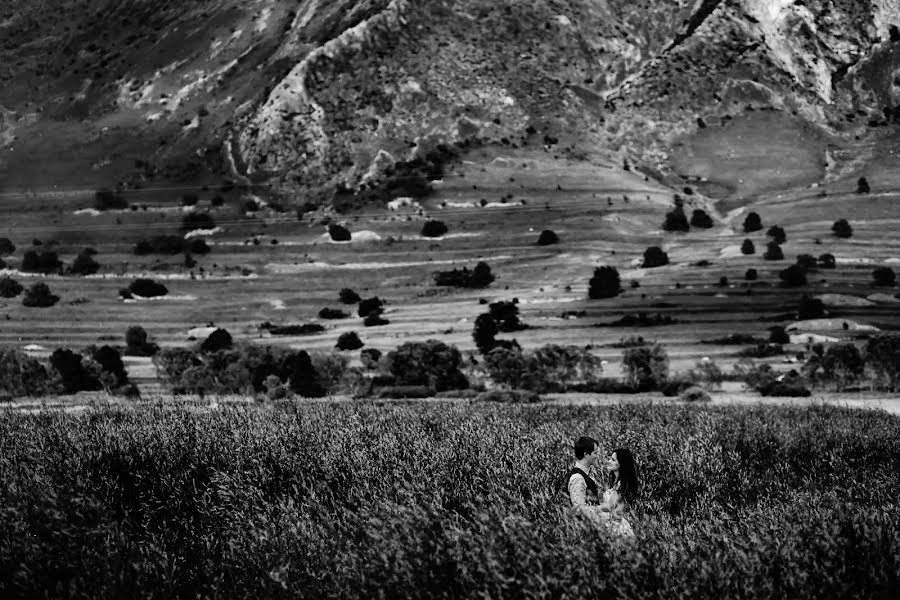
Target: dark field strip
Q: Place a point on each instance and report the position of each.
(346, 500)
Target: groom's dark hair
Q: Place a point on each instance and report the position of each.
(584, 445)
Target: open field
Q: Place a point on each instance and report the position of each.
(323, 499)
(241, 283)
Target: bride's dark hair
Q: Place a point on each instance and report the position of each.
(627, 476)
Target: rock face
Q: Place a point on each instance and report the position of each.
(317, 95)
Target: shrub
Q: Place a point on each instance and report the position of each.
(773, 252)
(777, 234)
(810, 308)
(41, 262)
(137, 342)
(433, 229)
(331, 368)
(107, 199)
(302, 329)
(369, 357)
(654, 256)
(827, 261)
(375, 320)
(147, 288)
(700, 219)
(605, 283)
(197, 220)
(479, 277)
(807, 261)
(547, 238)
(74, 375)
(751, 275)
(707, 373)
(485, 332)
(110, 361)
(506, 314)
(39, 296)
(369, 306)
(9, 287)
(21, 375)
(349, 341)
(695, 394)
(884, 276)
(160, 244)
(842, 229)
(405, 391)
(752, 223)
(754, 376)
(189, 199)
(843, 364)
(217, 201)
(778, 335)
(348, 296)
(794, 275)
(339, 233)
(862, 186)
(6, 246)
(676, 220)
(430, 363)
(332, 313)
(550, 368)
(646, 366)
(84, 264)
(509, 396)
(197, 246)
(883, 358)
(219, 339)
(748, 248)
(674, 387)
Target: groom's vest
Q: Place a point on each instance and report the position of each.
(591, 484)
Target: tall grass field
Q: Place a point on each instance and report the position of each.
(443, 500)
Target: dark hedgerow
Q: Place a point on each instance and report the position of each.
(478, 277)
(332, 313)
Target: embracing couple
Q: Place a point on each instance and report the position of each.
(606, 511)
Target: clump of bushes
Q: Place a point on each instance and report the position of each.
(373, 305)
(302, 329)
(810, 308)
(478, 277)
(506, 315)
(147, 288)
(654, 256)
(751, 274)
(862, 186)
(22, 375)
(219, 339)
(41, 262)
(605, 283)
(339, 233)
(794, 275)
(752, 223)
(431, 363)
(332, 313)
(647, 366)
(509, 396)
(170, 244)
(433, 229)
(84, 264)
(550, 368)
(884, 276)
(676, 220)
(842, 229)
(348, 296)
(827, 261)
(137, 342)
(777, 233)
(6, 246)
(349, 341)
(695, 394)
(197, 220)
(9, 287)
(374, 319)
(39, 296)
(547, 238)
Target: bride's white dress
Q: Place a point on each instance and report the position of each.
(613, 521)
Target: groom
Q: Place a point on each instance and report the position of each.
(583, 490)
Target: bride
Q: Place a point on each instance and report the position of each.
(622, 490)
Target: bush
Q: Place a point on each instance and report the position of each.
(654, 257)
(752, 223)
(349, 341)
(332, 313)
(189, 199)
(348, 296)
(147, 288)
(547, 238)
(883, 358)
(197, 246)
(827, 261)
(884, 276)
(862, 186)
(197, 220)
(748, 248)
(84, 264)
(331, 368)
(751, 275)
(21, 375)
(433, 229)
(375, 319)
(107, 199)
(405, 391)
(6, 246)
(773, 252)
(430, 363)
(137, 342)
(605, 283)
(762, 350)
(479, 277)
(110, 361)
(9, 287)
(676, 220)
(369, 306)
(755, 376)
(810, 308)
(509, 396)
(778, 335)
(695, 394)
(842, 229)
(75, 376)
(302, 329)
(160, 244)
(700, 219)
(785, 390)
(39, 296)
(219, 339)
(646, 366)
(217, 201)
(674, 387)
(707, 373)
(843, 364)
(506, 314)
(550, 368)
(339, 233)
(369, 357)
(41, 262)
(777, 234)
(807, 261)
(484, 333)
(794, 275)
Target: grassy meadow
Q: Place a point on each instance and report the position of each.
(440, 499)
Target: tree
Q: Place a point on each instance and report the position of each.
(646, 367)
(72, 372)
(349, 341)
(21, 375)
(485, 332)
(84, 264)
(778, 335)
(810, 308)
(147, 288)
(339, 233)
(433, 229)
(6, 247)
(843, 364)
(41, 262)
(137, 343)
(777, 233)
(752, 223)
(374, 319)
(107, 199)
(9, 287)
(479, 277)
(827, 261)
(747, 247)
(605, 283)
(883, 357)
(676, 220)
(547, 238)
(751, 275)
(332, 313)
(219, 339)
(348, 296)
(842, 229)
(39, 296)
(794, 275)
(369, 306)
(197, 220)
(430, 363)
(700, 219)
(110, 361)
(884, 276)
(773, 252)
(506, 315)
(654, 256)
(862, 186)
(189, 199)
(807, 261)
